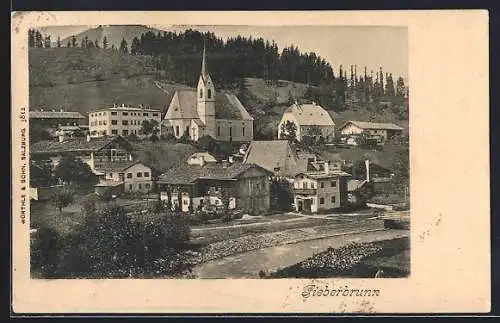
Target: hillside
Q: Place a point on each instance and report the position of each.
(84, 79)
(114, 34)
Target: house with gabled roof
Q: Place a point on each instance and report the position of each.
(322, 190)
(382, 130)
(126, 176)
(205, 111)
(277, 156)
(247, 186)
(96, 152)
(310, 119)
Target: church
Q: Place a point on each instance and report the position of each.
(205, 111)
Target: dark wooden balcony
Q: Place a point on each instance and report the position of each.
(305, 191)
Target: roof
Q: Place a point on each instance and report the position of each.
(69, 128)
(373, 125)
(322, 174)
(125, 108)
(108, 183)
(206, 157)
(227, 106)
(270, 154)
(118, 166)
(189, 174)
(73, 145)
(310, 114)
(55, 115)
(355, 184)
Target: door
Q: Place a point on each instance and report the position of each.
(300, 205)
(307, 206)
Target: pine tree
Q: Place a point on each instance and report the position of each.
(400, 88)
(73, 41)
(96, 43)
(31, 38)
(47, 42)
(58, 42)
(38, 39)
(105, 42)
(69, 44)
(124, 46)
(381, 84)
(135, 48)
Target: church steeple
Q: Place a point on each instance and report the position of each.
(205, 76)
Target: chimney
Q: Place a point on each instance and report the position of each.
(88, 137)
(123, 105)
(62, 110)
(367, 164)
(61, 138)
(41, 110)
(314, 103)
(114, 105)
(230, 158)
(327, 167)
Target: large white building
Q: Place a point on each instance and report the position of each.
(310, 119)
(205, 111)
(121, 120)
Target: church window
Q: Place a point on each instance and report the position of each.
(177, 131)
(230, 131)
(243, 131)
(209, 93)
(218, 131)
(201, 93)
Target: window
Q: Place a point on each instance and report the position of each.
(125, 132)
(130, 186)
(114, 132)
(146, 174)
(129, 175)
(243, 131)
(201, 93)
(155, 114)
(209, 93)
(305, 185)
(124, 113)
(125, 122)
(140, 186)
(113, 113)
(145, 114)
(312, 185)
(139, 174)
(148, 186)
(177, 131)
(322, 185)
(185, 202)
(114, 122)
(321, 200)
(104, 122)
(100, 122)
(218, 131)
(230, 131)
(333, 183)
(187, 131)
(333, 199)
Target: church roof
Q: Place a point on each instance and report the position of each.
(227, 106)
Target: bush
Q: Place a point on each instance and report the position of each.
(44, 251)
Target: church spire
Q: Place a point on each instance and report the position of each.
(204, 62)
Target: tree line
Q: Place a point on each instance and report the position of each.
(178, 56)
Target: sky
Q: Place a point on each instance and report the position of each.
(371, 46)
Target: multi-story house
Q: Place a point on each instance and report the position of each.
(131, 176)
(246, 186)
(205, 111)
(322, 190)
(121, 120)
(310, 120)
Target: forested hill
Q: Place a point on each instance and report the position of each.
(176, 57)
